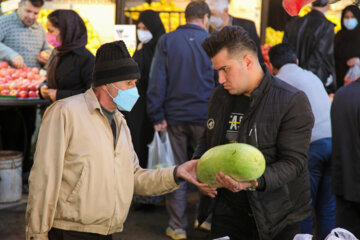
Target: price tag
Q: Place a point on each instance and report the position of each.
(127, 33)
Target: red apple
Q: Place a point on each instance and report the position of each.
(37, 93)
(13, 92)
(22, 94)
(5, 92)
(35, 70)
(4, 65)
(12, 86)
(32, 94)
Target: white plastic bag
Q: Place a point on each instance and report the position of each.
(303, 237)
(160, 151)
(353, 73)
(340, 234)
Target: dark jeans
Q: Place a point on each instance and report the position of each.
(59, 234)
(240, 224)
(323, 201)
(348, 215)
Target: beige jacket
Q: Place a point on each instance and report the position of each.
(78, 181)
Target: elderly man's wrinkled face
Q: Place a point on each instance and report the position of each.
(28, 13)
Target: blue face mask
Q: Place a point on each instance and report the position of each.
(126, 99)
(351, 23)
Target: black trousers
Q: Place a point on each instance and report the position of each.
(59, 234)
(240, 224)
(348, 215)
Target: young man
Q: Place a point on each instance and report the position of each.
(270, 115)
(86, 170)
(284, 62)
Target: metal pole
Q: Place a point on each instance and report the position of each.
(119, 12)
(264, 19)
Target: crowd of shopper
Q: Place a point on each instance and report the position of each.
(205, 84)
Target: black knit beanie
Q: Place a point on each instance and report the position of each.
(113, 64)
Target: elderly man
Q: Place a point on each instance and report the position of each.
(85, 170)
(221, 18)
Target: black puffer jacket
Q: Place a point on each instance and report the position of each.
(312, 37)
(279, 123)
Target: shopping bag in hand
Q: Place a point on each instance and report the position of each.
(160, 151)
(353, 73)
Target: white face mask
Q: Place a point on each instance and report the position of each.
(216, 21)
(144, 36)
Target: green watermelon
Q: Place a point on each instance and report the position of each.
(240, 161)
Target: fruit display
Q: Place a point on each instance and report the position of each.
(20, 83)
(265, 53)
(173, 19)
(93, 37)
(240, 161)
(273, 37)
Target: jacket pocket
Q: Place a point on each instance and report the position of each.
(276, 205)
(72, 196)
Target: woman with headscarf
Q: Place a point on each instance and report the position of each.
(347, 47)
(69, 71)
(150, 28)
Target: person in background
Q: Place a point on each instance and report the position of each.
(220, 18)
(347, 48)
(181, 81)
(345, 180)
(69, 71)
(285, 66)
(22, 43)
(312, 38)
(22, 38)
(85, 169)
(150, 29)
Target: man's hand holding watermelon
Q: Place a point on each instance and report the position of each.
(232, 185)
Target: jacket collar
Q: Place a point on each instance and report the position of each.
(93, 103)
(191, 26)
(317, 13)
(262, 88)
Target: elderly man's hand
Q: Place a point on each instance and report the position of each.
(18, 61)
(187, 171)
(232, 185)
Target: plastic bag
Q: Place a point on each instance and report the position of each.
(340, 234)
(353, 73)
(303, 237)
(160, 151)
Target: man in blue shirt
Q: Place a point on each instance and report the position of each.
(181, 81)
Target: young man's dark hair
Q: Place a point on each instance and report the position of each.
(35, 3)
(234, 38)
(282, 54)
(196, 10)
